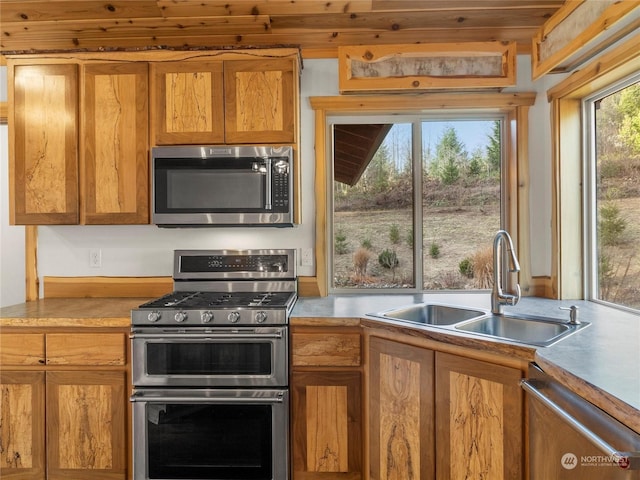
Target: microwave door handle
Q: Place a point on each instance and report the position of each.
(267, 191)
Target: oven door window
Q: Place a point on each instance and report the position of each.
(208, 441)
(209, 358)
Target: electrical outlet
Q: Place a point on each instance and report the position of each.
(95, 258)
(306, 259)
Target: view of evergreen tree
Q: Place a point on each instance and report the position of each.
(476, 163)
(380, 172)
(493, 148)
(617, 139)
(450, 156)
(630, 109)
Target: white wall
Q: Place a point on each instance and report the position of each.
(146, 250)
(12, 271)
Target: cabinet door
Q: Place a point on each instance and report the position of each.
(22, 425)
(44, 161)
(327, 425)
(401, 411)
(86, 423)
(188, 103)
(260, 101)
(115, 144)
(478, 419)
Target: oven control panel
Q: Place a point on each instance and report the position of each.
(234, 264)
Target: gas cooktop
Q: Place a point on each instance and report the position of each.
(203, 300)
(225, 287)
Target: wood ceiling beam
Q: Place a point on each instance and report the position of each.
(522, 18)
(313, 44)
(27, 11)
(135, 27)
(377, 5)
(262, 7)
(318, 26)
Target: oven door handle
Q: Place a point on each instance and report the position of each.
(206, 336)
(141, 397)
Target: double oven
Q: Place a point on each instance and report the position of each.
(210, 369)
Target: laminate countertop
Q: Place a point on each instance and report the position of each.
(71, 312)
(600, 362)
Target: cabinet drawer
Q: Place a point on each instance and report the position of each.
(86, 349)
(22, 349)
(326, 349)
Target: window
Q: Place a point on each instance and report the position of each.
(416, 201)
(613, 195)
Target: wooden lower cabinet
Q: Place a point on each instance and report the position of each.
(479, 420)
(326, 403)
(435, 415)
(22, 425)
(64, 422)
(401, 411)
(327, 425)
(86, 425)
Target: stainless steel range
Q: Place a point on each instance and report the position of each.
(210, 368)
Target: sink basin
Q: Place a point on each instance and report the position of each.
(532, 331)
(431, 314)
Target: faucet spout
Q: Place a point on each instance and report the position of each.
(503, 245)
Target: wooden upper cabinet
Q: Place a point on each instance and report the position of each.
(43, 165)
(115, 145)
(187, 103)
(260, 101)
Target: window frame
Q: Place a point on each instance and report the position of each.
(514, 106)
(590, 205)
(568, 269)
(416, 120)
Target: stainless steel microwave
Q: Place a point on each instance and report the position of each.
(222, 186)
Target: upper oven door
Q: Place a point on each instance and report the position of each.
(199, 357)
(221, 186)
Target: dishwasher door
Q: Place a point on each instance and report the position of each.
(571, 439)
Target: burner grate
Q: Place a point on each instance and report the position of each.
(200, 300)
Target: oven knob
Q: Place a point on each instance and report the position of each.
(206, 316)
(154, 316)
(261, 317)
(234, 317)
(180, 316)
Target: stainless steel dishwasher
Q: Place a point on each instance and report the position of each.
(571, 439)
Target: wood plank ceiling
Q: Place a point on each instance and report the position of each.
(317, 27)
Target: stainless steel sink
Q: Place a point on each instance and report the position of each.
(530, 330)
(514, 327)
(431, 314)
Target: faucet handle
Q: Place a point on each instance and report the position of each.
(515, 298)
(573, 314)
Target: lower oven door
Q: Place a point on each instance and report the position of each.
(210, 357)
(210, 434)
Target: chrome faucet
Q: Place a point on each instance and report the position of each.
(501, 242)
